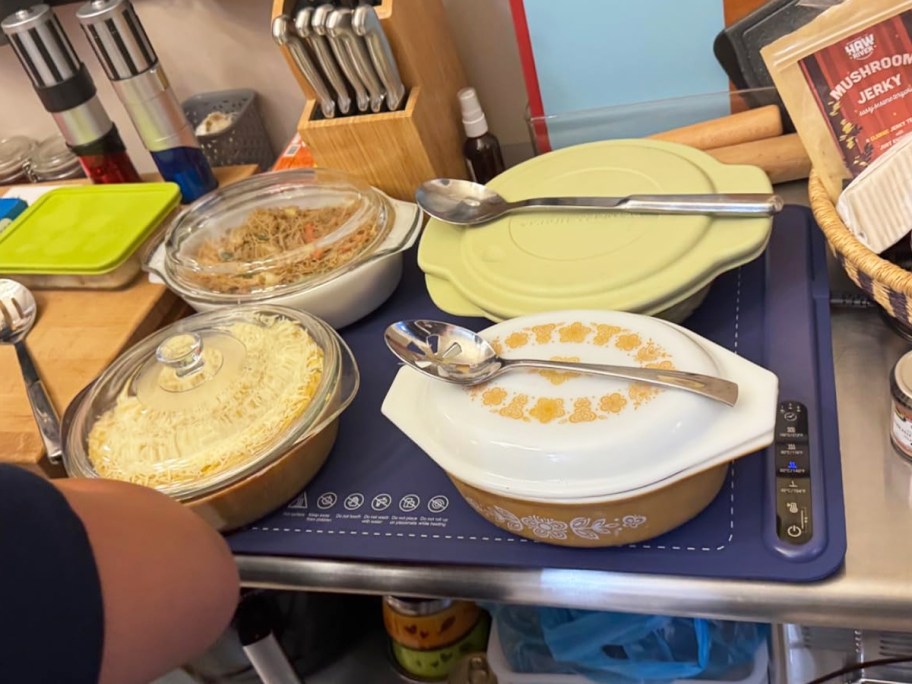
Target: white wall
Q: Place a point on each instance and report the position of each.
(208, 45)
(483, 30)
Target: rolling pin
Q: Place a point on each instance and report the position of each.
(783, 157)
(734, 129)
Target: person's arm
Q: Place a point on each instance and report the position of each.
(168, 581)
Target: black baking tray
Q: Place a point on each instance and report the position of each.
(737, 47)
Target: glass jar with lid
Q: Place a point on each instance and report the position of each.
(14, 155)
(52, 160)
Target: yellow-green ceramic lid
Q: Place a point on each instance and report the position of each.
(545, 261)
(85, 230)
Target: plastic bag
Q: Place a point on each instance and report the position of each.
(623, 647)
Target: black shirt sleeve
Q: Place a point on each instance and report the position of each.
(51, 611)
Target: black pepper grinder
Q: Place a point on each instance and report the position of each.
(481, 149)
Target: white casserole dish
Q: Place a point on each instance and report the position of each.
(339, 296)
(538, 437)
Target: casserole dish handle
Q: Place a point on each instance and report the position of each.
(152, 256)
(405, 231)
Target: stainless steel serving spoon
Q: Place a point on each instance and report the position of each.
(458, 355)
(466, 203)
(18, 311)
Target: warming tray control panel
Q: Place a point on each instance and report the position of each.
(794, 518)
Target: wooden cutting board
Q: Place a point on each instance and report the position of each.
(77, 335)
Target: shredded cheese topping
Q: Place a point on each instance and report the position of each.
(165, 449)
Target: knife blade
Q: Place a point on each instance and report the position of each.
(365, 23)
(320, 16)
(320, 47)
(282, 34)
(339, 26)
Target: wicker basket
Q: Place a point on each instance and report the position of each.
(883, 281)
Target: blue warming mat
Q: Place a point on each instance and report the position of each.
(379, 498)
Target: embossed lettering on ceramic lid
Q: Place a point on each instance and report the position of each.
(549, 430)
(600, 243)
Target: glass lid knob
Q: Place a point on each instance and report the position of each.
(183, 353)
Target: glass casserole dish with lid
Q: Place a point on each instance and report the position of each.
(279, 234)
(209, 405)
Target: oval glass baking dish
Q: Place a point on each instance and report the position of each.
(277, 234)
(216, 404)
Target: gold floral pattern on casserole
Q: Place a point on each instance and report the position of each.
(644, 353)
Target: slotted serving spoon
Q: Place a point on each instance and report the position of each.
(455, 354)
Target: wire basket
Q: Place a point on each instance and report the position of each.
(245, 141)
(883, 281)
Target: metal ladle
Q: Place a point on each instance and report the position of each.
(466, 203)
(18, 312)
(457, 355)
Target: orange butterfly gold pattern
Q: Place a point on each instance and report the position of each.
(584, 409)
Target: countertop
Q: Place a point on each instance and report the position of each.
(873, 590)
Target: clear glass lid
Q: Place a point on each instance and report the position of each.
(207, 400)
(275, 233)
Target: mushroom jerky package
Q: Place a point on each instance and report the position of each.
(846, 80)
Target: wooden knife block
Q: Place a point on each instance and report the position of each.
(397, 151)
(393, 151)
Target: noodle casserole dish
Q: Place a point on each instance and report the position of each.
(315, 240)
(231, 412)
